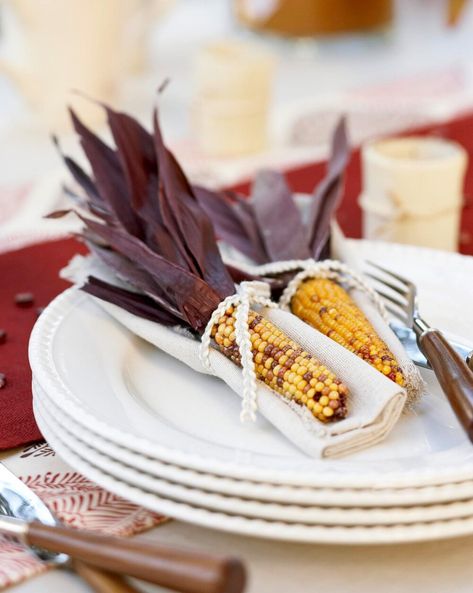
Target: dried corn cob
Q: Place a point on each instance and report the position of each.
(285, 367)
(325, 305)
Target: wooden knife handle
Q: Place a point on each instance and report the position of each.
(101, 581)
(175, 568)
(453, 374)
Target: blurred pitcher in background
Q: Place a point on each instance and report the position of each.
(50, 47)
(309, 18)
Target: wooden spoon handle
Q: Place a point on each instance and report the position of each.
(453, 374)
(101, 581)
(175, 568)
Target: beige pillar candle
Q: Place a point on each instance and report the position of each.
(413, 191)
(233, 89)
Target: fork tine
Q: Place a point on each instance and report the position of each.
(388, 297)
(394, 287)
(401, 315)
(401, 279)
(409, 308)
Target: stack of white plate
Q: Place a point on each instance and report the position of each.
(148, 428)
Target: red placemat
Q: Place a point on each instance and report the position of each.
(33, 269)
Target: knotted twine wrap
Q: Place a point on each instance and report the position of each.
(310, 268)
(247, 294)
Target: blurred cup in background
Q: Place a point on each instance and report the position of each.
(413, 191)
(233, 90)
(50, 47)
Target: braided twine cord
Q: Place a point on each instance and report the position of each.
(247, 295)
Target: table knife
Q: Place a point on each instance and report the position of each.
(18, 502)
(25, 518)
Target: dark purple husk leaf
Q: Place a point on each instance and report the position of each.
(328, 194)
(150, 229)
(245, 212)
(135, 276)
(135, 152)
(58, 213)
(134, 303)
(109, 178)
(79, 175)
(189, 221)
(283, 233)
(189, 293)
(234, 222)
(326, 250)
(268, 227)
(239, 275)
(220, 208)
(92, 199)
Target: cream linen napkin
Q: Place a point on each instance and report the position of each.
(375, 402)
(415, 385)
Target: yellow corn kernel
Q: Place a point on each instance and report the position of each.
(276, 366)
(327, 306)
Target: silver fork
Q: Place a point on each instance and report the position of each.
(451, 370)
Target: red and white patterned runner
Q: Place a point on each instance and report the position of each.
(75, 500)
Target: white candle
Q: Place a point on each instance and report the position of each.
(413, 191)
(233, 89)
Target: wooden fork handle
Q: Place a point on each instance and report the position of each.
(453, 374)
(174, 568)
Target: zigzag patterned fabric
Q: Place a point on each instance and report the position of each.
(74, 500)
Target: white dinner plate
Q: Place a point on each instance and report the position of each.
(235, 523)
(135, 396)
(308, 515)
(287, 495)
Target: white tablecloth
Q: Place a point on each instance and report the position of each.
(276, 567)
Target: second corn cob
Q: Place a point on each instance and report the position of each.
(326, 306)
(285, 367)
